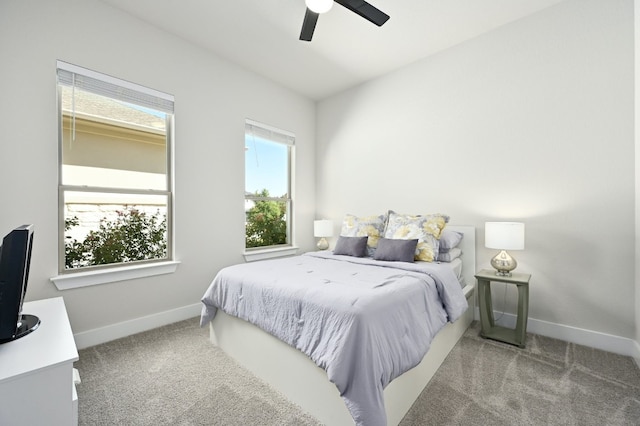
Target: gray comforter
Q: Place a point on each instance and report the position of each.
(365, 322)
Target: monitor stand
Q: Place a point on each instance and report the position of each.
(26, 324)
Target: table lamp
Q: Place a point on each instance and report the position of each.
(504, 236)
(323, 229)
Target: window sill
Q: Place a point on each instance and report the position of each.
(250, 256)
(103, 276)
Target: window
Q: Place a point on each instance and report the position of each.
(268, 202)
(115, 176)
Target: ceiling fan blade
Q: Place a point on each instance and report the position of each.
(308, 25)
(367, 11)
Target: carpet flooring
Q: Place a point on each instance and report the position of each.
(550, 382)
(173, 375)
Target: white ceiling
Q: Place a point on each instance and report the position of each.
(346, 50)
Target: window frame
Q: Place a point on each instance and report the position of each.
(97, 274)
(286, 138)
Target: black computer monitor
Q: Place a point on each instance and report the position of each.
(15, 260)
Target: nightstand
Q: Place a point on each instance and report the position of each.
(489, 330)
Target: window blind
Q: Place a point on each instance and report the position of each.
(105, 85)
(267, 132)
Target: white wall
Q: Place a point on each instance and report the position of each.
(530, 122)
(213, 98)
(636, 9)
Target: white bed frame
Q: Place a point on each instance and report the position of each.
(293, 374)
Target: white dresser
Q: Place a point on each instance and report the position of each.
(36, 371)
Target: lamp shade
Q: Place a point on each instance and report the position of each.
(504, 235)
(322, 228)
(319, 6)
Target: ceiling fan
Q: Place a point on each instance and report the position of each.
(316, 7)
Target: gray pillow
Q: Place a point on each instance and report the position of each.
(449, 239)
(396, 250)
(450, 256)
(351, 246)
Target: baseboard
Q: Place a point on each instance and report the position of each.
(580, 336)
(96, 336)
(636, 355)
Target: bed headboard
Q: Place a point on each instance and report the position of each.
(468, 247)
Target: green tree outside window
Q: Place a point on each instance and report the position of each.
(133, 235)
(266, 223)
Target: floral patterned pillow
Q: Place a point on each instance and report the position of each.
(370, 226)
(427, 229)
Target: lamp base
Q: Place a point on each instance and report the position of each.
(503, 263)
(323, 244)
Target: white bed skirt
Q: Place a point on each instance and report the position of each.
(300, 380)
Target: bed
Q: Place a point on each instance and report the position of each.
(312, 374)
